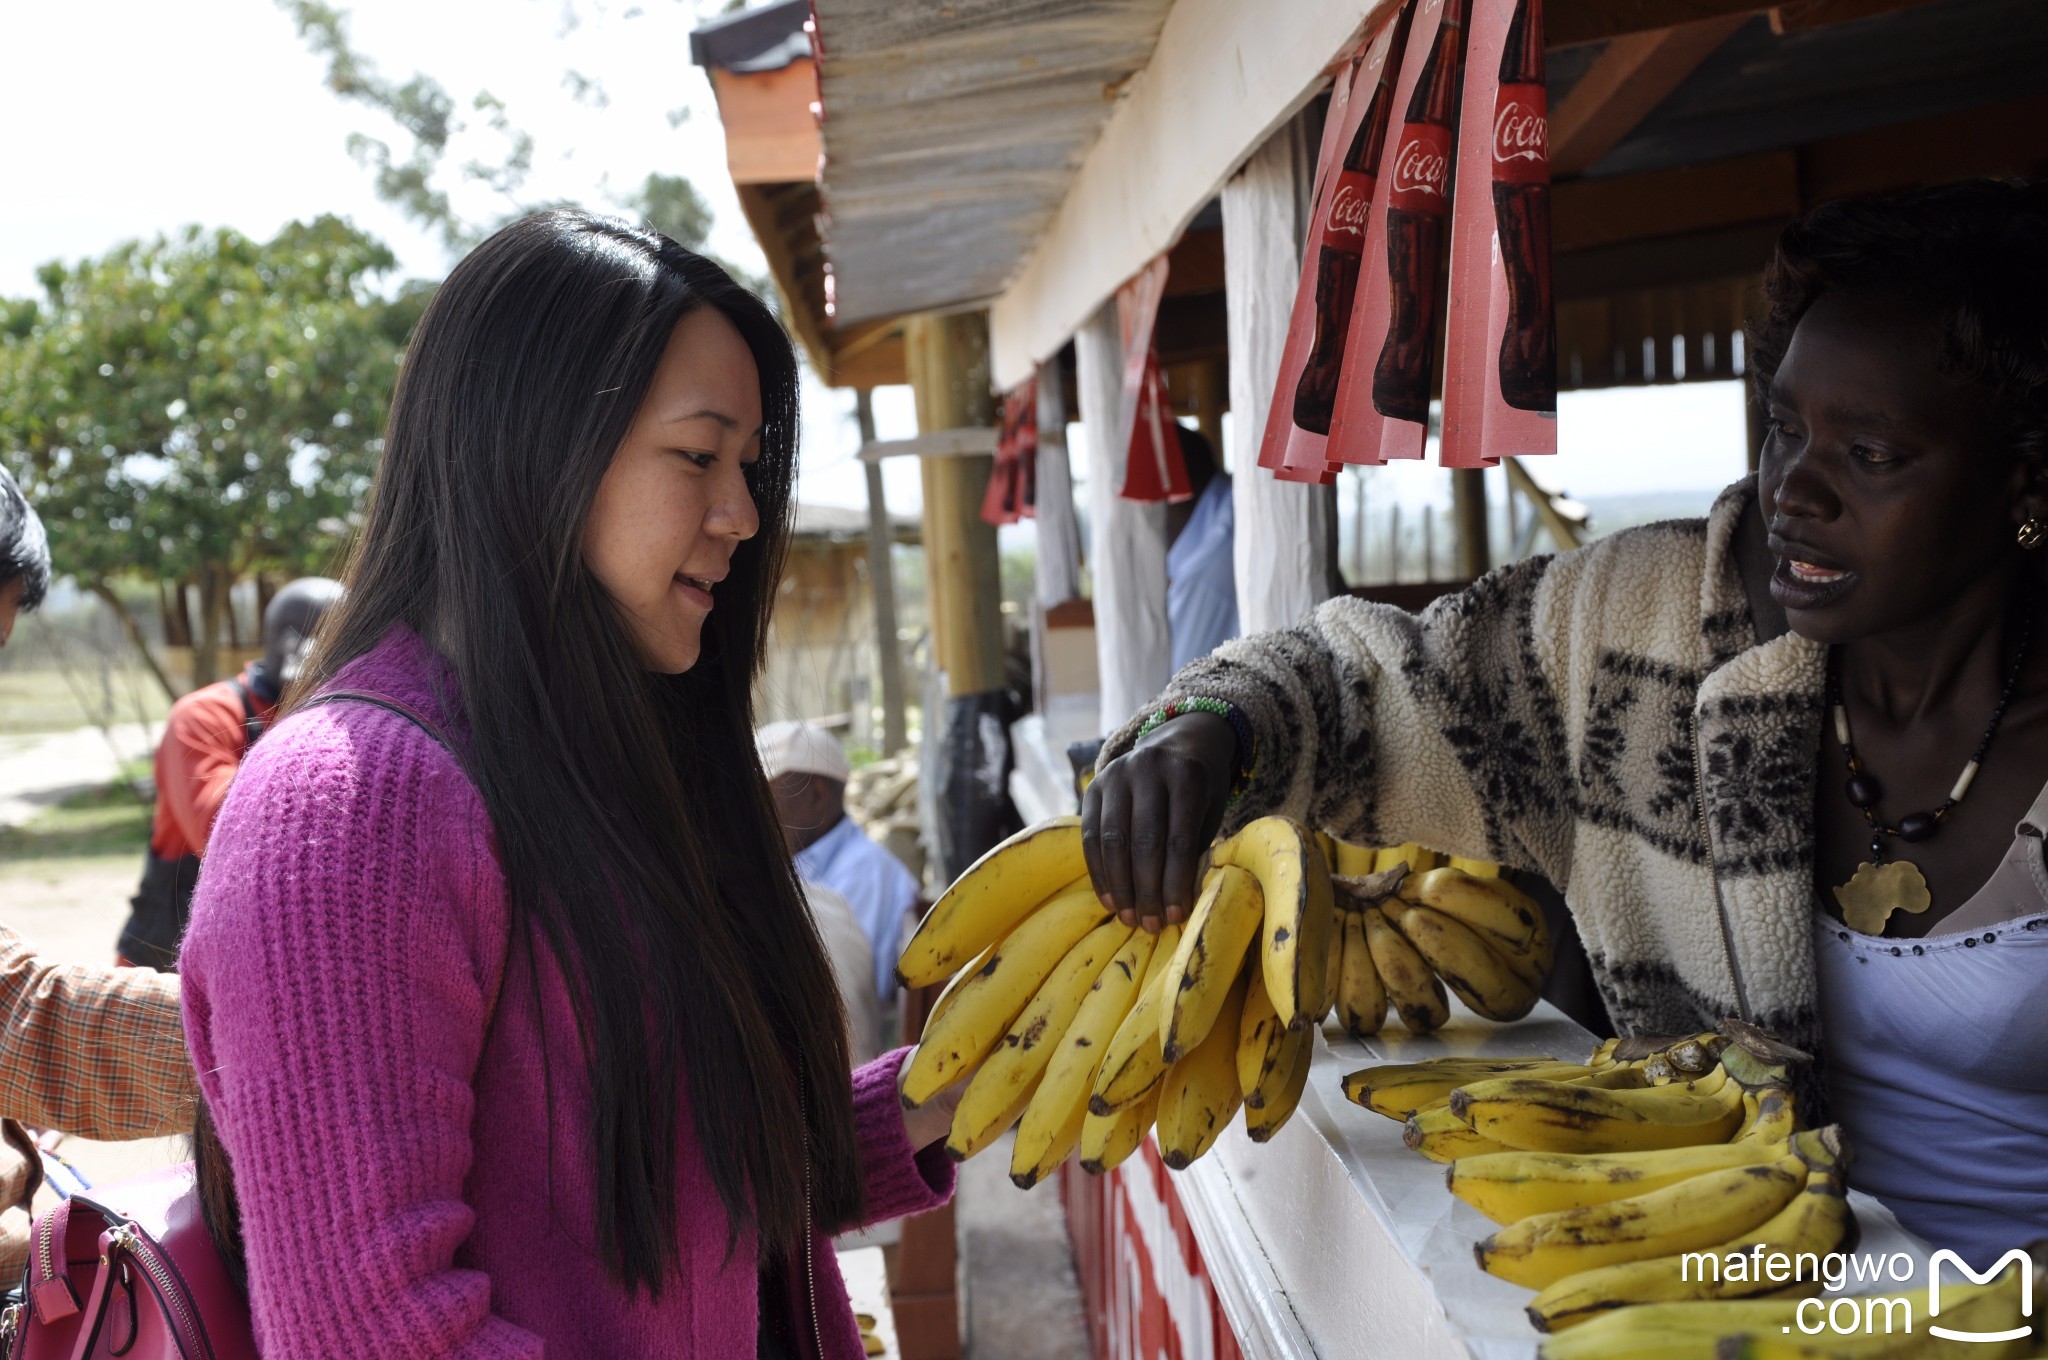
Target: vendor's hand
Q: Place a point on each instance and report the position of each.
(1152, 811)
(930, 1122)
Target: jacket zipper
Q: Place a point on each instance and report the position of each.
(1699, 793)
(44, 1232)
(810, 1273)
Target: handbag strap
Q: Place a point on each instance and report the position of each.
(403, 710)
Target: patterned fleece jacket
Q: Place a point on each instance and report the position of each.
(1606, 718)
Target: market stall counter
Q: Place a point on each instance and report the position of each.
(1333, 1240)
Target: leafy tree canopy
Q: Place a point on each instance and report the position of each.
(202, 407)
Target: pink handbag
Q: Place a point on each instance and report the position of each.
(129, 1271)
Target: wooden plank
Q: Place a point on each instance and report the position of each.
(761, 210)
(1991, 139)
(1596, 212)
(1630, 77)
(878, 365)
(771, 133)
(1570, 22)
(1195, 264)
(1804, 14)
(964, 442)
(1222, 78)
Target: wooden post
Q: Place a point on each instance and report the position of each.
(948, 361)
(1285, 530)
(1468, 504)
(1212, 393)
(882, 581)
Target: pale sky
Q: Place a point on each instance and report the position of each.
(124, 119)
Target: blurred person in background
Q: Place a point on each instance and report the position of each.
(853, 968)
(24, 556)
(807, 772)
(1201, 579)
(206, 736)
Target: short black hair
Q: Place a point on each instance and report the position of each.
(1974, 254)
(1196, 455)
(24, 548)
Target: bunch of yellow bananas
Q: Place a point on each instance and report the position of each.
(1606, 1174)
(1086, 1034)
(1776, 1329)
(1408, 925)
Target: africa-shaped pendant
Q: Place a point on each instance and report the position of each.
(1875, 891)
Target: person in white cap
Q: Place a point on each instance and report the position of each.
(807, 772)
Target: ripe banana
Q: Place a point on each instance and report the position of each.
(1258, 1038)
(1106, 1140)
(956, 1041)
(1767, 1116)
(1361, 998)
(1418, 860)
(953, 985)
(1300, 911)
(1506, 918)
(1481, 977)
(1441, 1137)
(1132, 1064)
(991, 1103)
(1354, 861)
(1398, 1090)
(1051, 1127)
(1280, 1093)
(1693, 1215)
(1210, 958)
(1550, 1116)
(1416, 994)
(992, 898)
(1816, 1222)
(1510, 1186)
(1199, 1093)
(1478, 868)
(1669, 1331)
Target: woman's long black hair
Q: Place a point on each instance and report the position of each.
(637, 837)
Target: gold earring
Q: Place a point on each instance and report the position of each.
(2033, 533)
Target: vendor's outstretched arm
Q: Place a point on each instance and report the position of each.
(1377, 725)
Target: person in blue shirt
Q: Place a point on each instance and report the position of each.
(807, 772)
(1201, 580)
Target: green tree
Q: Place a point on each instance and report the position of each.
(201, 409)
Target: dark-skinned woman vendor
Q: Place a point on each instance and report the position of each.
(1785, 762)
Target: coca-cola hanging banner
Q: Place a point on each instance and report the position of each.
(1013, 483)
(1295, 445)
(1383, 392)
(1153, 469)
(1500, 340)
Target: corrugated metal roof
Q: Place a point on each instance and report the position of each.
(952, 132)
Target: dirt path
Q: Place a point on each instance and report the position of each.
(41, 769)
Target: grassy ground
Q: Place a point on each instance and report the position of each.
(41, 700)
(99, 822)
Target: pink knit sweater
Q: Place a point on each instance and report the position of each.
(415, 1179)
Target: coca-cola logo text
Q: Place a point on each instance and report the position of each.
(1350, 209)
(1420, 167)
(1521, 133)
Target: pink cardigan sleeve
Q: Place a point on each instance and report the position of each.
(900, 1179)
(339, 976)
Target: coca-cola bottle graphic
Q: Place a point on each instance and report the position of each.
(1340, 246)
(1521, 212)
(1417, 205)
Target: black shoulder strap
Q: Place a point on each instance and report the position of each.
(252, 726)
(405, 711)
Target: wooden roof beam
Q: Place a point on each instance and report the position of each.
(1630, 78)
(1570, 22)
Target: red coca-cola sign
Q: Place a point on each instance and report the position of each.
(1350, 210)
(1421, 169)
(1521, 135)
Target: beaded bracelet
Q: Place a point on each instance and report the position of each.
(1247, 744)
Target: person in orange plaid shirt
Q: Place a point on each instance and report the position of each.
(95, 1052)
